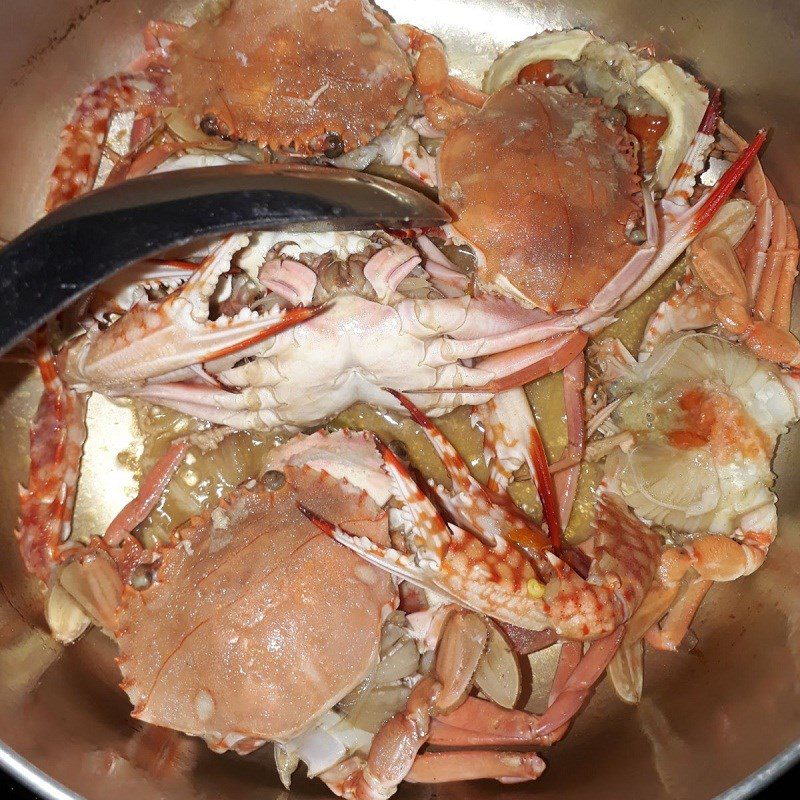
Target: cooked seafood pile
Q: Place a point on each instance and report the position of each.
(362, 609)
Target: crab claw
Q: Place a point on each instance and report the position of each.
(727, 183)
(490, 514)
(447, 560)
(154, 340)
(546, 488)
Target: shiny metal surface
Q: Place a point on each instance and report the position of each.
(709, 719)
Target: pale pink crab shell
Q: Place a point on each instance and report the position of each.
(257, 623)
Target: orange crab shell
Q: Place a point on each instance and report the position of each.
(256, 622)
(288, 75)
(544, 186)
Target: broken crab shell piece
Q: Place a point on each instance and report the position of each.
(681, 97)
(544, 46)
(685, 102)
(308, 76)
(498, 674)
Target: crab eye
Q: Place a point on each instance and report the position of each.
(333, 145)
(273, 480)
(142, 577)
(209, 125)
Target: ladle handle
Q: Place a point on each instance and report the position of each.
(85, 241)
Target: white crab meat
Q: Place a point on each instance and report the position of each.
(706, 415)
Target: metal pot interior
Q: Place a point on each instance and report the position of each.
(726, 713)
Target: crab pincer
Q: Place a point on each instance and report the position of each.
(162, 340)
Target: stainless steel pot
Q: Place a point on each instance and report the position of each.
(719, 721)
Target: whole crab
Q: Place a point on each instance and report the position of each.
(233, 630)
(310, 77)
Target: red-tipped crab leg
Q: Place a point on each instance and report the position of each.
(566, 480)
(682, 230)
(57, 434)
(682, 186)
(725, 186)
(83, 138)
(159, 339)
(455, 465)
(546, 488)
(470, 503)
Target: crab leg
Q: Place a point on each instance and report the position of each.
(674, 627)
(501, 450)
(680, 232)
(83, 138)
(150, 491)
(570, 697)
(57, 434)
(713, 558)
(782, 309)
(757, 188)
(481, 723)
(144, 159)
(477, 326)
(715, 291)
(449, 560)
(531, 362)
(446, 100)
(394, 749)
(546, 488)
(158, 339)
(776, 254)
(471, 765)
(129, 286)
(566, 480)
(470, 503)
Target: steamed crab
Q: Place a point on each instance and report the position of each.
(689, 433)
(308, 78)
(232, 630)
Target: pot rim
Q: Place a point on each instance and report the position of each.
(46, 787)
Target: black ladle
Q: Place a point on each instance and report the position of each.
(89, 239)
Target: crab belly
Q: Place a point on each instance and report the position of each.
(257, 623)
(544, 187)
(341, 357)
